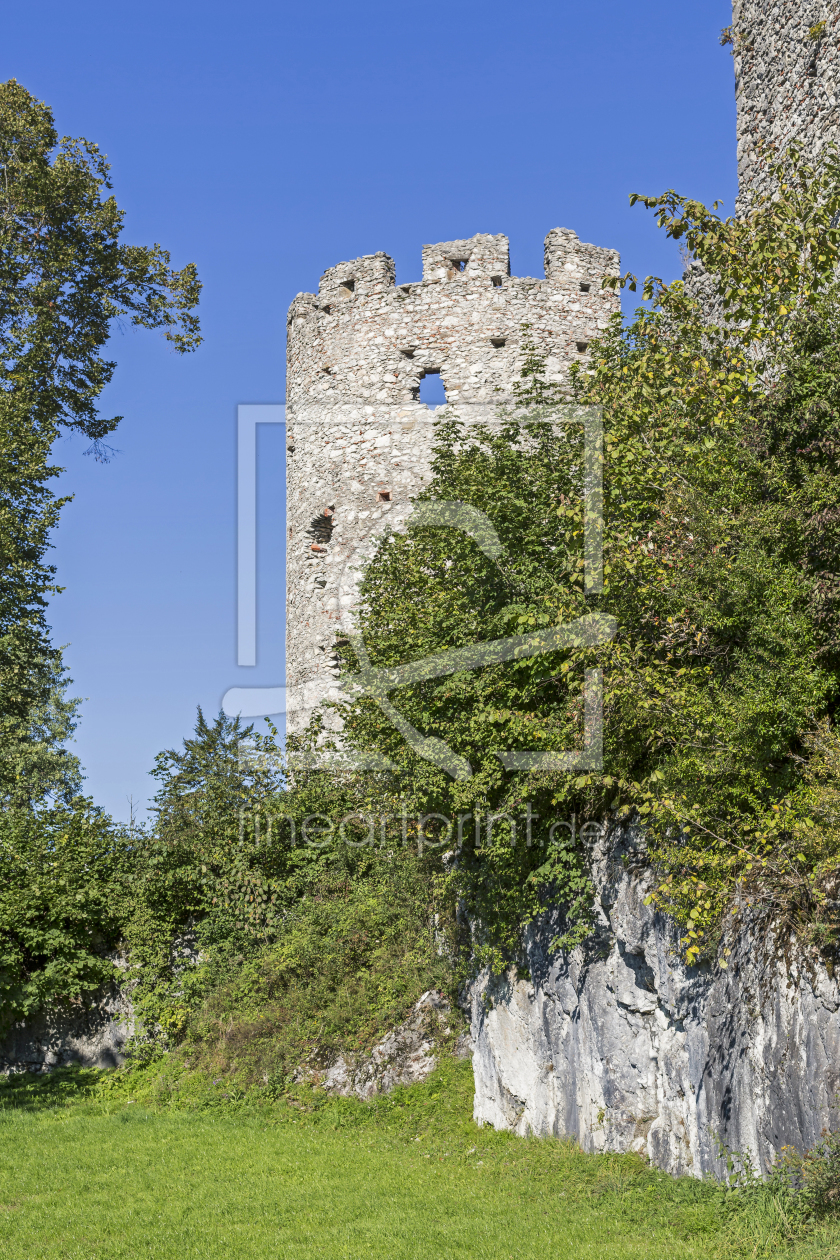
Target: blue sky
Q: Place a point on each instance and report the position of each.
(266, 142)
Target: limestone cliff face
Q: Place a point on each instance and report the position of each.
(623, 1047)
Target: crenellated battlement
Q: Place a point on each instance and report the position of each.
(481, 256)
(364, 336)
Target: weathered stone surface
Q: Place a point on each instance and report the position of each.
(90, 1036)
(405, 1057)
(786, 81)
(625, 1048)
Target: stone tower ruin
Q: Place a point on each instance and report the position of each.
(787, 76)
(359, 439)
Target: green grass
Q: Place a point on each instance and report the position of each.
(85, 1174)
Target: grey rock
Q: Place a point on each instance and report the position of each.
(622, 1046)
(405, 1057)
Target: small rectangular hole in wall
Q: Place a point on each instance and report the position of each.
(497, 342)
(383, 496)
(405, 288)
(325, 309)
(497, 282)
(432, 391)
(584, 288)
(347, 287)
(582, 346)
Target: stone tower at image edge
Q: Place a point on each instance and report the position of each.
(787, 56)
(359, 439)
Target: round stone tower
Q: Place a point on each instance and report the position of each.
(359, 439)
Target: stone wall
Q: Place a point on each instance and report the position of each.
(627, 1049)
(90, 1035)
(787, 81)
(359, 439)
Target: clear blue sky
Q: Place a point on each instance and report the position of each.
(266, 142)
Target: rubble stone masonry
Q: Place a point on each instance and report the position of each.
(787, 58)
(359, 439)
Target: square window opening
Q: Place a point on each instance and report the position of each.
(584, 288)
(496, 282)
(432, 390)
(497, 343)
(383, 496)
(582, 346)
(348, 287)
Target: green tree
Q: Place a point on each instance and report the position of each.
(299, 942)
(64, 883)
(65, 277)
(210, 869)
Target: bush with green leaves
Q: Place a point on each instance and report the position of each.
(232, 912)
(354, 953)
(64, 887)
(721, 497)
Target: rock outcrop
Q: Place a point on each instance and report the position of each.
(405, 1057)
(624, 1047)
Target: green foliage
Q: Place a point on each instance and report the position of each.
(812, 1180)
(206, 874)
(354, 954)
(38, 765)
(252, 946)
(740, 559)
(65, 277)
(765, 266)
(716, 673)
(720, 498)
(429, 590)
(736, 40)
(62, 902)
(242, 943)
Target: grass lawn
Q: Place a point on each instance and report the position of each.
(87, 1175)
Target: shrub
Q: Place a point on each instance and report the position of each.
(64, 876)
